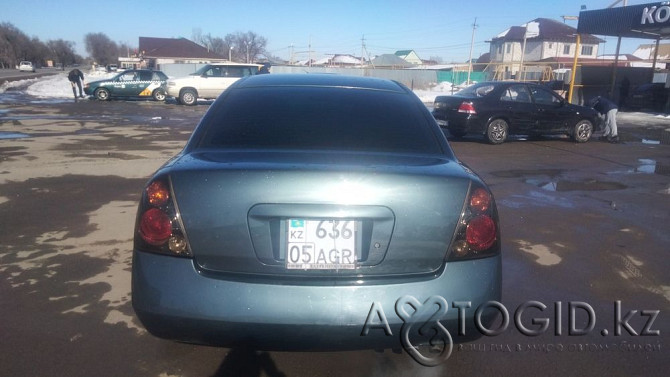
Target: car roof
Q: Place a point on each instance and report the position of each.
(507, 83)
(229, 64)
(140, 70)
(321, 80)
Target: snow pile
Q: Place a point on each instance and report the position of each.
(58, 86)
(16, 85)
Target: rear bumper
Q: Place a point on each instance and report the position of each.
(461, 122)
(173, 300)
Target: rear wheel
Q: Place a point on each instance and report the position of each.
(159, 95)
(188, 97)
(496, 132)
(101, 94)
(582, 132)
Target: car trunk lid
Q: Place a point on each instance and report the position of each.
(237, 209)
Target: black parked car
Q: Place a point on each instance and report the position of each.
(648, 96)
(497, 109)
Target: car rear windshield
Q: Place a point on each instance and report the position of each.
(478, 90)
(318, 118)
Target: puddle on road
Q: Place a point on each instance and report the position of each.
(566, 185)
(12, 135)
(87, 131)
(649, 166)
(645, 166)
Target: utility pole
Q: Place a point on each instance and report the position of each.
(616, 54)
(362, 49)
(290, 59)
(365, 53)
(472, 43)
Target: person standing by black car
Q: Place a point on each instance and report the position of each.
(609, 109)
(76, 77)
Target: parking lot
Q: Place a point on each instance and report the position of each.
(582, 225)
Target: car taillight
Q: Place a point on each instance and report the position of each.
(467, 107)
(477, 234)
(155, 227)
(158, 227)
(157, 193)
(480, 233)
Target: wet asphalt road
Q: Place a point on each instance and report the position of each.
(580, 223)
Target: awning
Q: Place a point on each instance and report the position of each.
(647, 21)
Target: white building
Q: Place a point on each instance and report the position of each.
(542, 40)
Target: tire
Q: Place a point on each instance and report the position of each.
(159, 95)
(496, 132)
(188, 97)
(101, 94)
(582, 132)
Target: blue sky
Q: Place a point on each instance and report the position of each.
(441, 28)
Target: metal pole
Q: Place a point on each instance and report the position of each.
(472, 43)
(653, 67)
(618, 46)
(574, 69)
(614, 68)
(523, 53)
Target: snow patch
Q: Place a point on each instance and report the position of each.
(545, 256)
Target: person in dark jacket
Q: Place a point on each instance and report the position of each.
(76, 77)
(609, 109)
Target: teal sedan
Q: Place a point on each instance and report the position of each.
(295, 224)
(133, 83)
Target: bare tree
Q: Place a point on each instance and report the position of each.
(126, 50)
(246, 46)
(63, 52)
(102, 49)
(15, 45)
(196, 36)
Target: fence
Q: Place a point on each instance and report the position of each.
(412, 78)
(460, 77)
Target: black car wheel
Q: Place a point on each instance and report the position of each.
(101, 94)
(496, 132)
(582, 132)
(188, 97)
(159, 95)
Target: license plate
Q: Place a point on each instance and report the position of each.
(442, 123)
(321, 244)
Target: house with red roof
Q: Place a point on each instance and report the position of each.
(156, 51)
